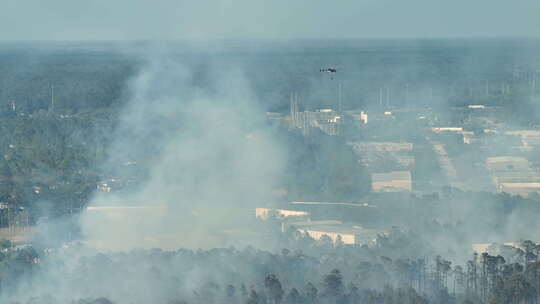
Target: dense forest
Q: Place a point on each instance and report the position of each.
(48, 158)
(308, 272)
(416, 73)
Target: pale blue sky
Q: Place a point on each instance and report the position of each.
(177, 19)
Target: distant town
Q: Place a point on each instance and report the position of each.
(475, 147)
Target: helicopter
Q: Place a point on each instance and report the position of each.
(328, 70)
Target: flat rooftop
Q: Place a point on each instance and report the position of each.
(331, 204)
(391, 176)
(503, 159)
(124, 208)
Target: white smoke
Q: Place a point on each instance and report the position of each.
(205, 154)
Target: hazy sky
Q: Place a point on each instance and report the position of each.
(172, 19)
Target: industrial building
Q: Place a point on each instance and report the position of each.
(338, 232)
(447, 129)
(266, 213)
(330, 204)
(507, 163)
(522, 189)
(395, 181)
(342, 211)
(504, 249)
(468, 136)
(530, 139)
(513, 175)
(383, 146)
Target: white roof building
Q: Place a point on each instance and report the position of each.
(523, 189)
(266, 213)
(507, 163)
(347, 234)
(395, 181)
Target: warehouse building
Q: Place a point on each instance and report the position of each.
(395, 181)
(266, 213)
(339, 232)
(507, 163)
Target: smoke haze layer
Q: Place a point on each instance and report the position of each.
(203, 154)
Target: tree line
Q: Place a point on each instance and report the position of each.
(322, 273)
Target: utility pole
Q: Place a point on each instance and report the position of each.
(407, 94)
(295, 114)
(293, 110)
(10, 228)
(380, 98)
(388, 97)
(52, 99)
(339, 98)
(296, 108)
